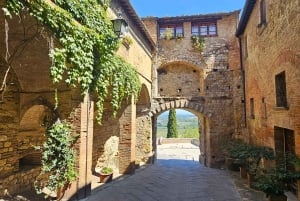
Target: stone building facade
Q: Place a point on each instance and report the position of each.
(256, 98)
(27, 107)
(206, 82)
(269, 36)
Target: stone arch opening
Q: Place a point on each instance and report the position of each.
(187, 124)
(32, 130)
(187, 145)
(195, 107)
(106, 139)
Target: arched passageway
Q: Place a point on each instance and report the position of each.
(205, 92)
(186, 145)
(187, 124)
(195, 108)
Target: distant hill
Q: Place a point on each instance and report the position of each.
(187, 124)
(179, 113)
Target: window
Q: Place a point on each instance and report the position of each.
(174, 30)
(195, 30)
(162, 32)
(263, 15)
(179, 31)
(280, 86)
(204, 29)
(252, 108)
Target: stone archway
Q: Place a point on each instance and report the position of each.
(197, 107)
(207, 93)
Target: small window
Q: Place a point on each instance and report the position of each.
(252, 108)
(263, 15)
(173, 30)
(280, 85)
(204, 29)
(195, 30)
(179, 31)
(162, 32)
(212, 29)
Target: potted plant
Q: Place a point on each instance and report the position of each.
(270, 183)
(273, 181)
(236, 151)
(198, 42)
(255, 155)
(168, 34)
(127, 41)
(106, 175)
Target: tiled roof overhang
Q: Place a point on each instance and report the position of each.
(191, 18)
(248, 8)
(137, 22)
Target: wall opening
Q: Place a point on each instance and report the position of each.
(280, 86)
(188, 127)
(30, 161)
(285, 143)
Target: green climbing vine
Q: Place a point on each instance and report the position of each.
(58, 158)
(198, 42)
(85, 57)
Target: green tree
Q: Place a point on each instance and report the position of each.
(172, 125)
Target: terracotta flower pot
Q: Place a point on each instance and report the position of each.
(105, 178)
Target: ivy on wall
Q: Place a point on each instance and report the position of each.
(85, 57)
(58, 158)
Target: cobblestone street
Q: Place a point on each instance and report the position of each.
(176, 176)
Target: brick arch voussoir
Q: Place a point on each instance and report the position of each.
(184, 104)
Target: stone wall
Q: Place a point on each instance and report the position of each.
(143, 139)
(187, 81)
(9, 118)
(20, 181)
(272, 48)
(211, 77)
(124, 127)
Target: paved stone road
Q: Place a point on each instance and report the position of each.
(176, 176)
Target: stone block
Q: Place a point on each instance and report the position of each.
(3, 138)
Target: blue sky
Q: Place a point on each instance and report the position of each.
(163, 8)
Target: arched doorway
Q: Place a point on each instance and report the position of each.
(187, 143)
(196, 108)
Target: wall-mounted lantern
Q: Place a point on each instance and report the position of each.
(120, 25)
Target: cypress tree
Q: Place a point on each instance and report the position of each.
(172, 124)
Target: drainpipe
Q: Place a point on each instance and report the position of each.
(243, 80)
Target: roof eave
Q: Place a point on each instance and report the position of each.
(248, 8)
(138, 22)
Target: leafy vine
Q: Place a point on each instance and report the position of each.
(58, 158)
(86, 55)
(198, 42)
